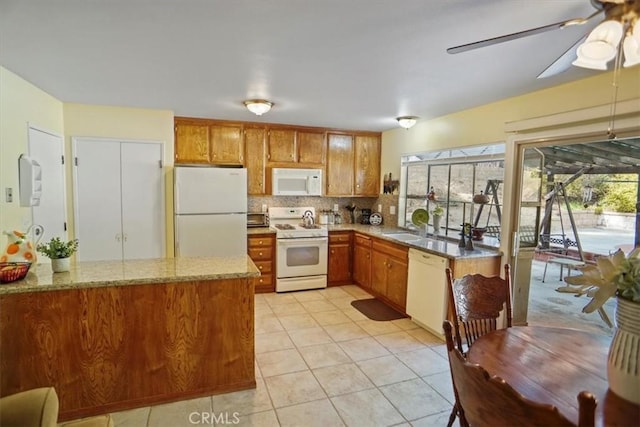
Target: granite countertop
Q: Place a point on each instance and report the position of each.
(443, 246)
(88, 274)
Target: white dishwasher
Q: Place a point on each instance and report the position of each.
(426, 290)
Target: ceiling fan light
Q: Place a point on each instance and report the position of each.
(407, 121)
(631, 46)
(258, 106)
(600, 46)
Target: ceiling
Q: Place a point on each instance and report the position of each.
(351, 64)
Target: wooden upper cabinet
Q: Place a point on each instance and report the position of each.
(311, 147)
(227, 144)
(254, 143)
(367, 165)
(339, 176)
(282, 145)
(191, 143)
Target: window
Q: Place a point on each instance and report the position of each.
(455, 176)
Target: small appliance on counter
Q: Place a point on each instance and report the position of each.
(257, 219)
(364, 215)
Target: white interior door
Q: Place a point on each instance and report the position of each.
(97, 195)
(142, 200)
(48, 149)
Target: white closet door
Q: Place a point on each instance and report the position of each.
(97, 200)
(142, 200)
(47, 149)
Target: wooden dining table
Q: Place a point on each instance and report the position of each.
(553, 365)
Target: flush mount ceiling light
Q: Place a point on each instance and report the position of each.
(603, 43)
(258, 106)
(407, 121)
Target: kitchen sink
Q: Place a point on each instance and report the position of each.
(404, 237)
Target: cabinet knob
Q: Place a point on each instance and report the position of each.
(332, 251)
(261, 280)
(260, 254)
(260, 268)
(259, 242)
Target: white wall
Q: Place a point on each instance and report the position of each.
(124, 123)
(21, 104)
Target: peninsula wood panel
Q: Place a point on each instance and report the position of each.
(108, 349)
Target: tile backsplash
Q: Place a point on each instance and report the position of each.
(386, 201)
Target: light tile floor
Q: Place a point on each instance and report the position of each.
(320, 362)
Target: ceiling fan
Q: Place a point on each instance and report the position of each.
(594, 50)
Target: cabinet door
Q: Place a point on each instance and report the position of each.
(142, 200)
(191, 143)
(97, 201)
(311, 147)
(282, 145)
(362, 266)
(254, 143)
(339, 263)
(226, 144)
(379, 272)
(367, 165)
(339, 165)
(397, 281)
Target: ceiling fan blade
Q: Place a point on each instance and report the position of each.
(521, 34)
(563, 63)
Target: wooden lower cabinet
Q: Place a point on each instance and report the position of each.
(262, 250)
(339, 265)
(389, 266)
(362, 260)
(111, 348)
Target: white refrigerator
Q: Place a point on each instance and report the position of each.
(210, 211)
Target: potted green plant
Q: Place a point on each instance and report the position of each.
(59, 252)
(437, 213)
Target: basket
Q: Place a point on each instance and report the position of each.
(12, 271)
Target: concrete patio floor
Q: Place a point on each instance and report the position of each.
(547, 307)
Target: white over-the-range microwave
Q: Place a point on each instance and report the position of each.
(296, 182)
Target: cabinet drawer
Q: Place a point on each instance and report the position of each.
(260, 241)
(258, 254)
(363, 241)
(390, 249)
(264, 280)
(263, 266)
(339, 238)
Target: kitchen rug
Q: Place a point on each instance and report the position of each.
(375, 309)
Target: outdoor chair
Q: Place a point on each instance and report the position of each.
(486, 401)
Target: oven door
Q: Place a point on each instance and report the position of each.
(302, 257)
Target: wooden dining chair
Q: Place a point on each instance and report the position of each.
(489, 401)
(476, 301)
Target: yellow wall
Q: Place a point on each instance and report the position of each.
(21, 104)
(485, 124)
(82, 120)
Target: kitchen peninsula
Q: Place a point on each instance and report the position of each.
(114, 335)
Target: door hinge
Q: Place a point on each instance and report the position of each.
(75, 161)
(160, 164)
(62, 159)
(65, 226)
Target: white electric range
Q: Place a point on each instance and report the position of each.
(301, 249)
